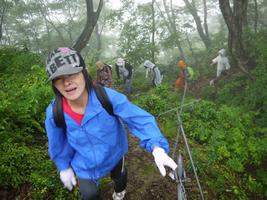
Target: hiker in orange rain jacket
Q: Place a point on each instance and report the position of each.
(179, 83)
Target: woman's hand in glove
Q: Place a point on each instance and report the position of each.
(162, 160)
(68, 178)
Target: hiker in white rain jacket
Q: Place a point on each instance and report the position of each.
(157, 76)
(222, 64)
(93, 142)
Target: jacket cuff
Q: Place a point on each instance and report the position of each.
(61, 165)
(150, 144)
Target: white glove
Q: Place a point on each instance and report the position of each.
(68, 179)
(162, 159)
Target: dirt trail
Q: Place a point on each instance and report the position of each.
(144, 179)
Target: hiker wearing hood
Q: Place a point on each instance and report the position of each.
(222, 65)
(125, 70)
(222, 62)
(157, 76)
(180, 81)
(85, 128)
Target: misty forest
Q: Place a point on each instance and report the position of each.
(216, 125)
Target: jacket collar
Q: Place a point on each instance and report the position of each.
(93, 107)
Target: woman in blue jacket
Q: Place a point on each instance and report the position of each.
(94, 143)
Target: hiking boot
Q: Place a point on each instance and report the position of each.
(119, 195)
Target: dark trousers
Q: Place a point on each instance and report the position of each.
(89, 189)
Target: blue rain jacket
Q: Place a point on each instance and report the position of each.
(93, 148)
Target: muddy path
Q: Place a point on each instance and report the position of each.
(144, 179)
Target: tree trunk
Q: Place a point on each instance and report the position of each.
(256, 16)
(191, 49)
(70, 21)
(7, 35)
(170, 23)
(193, 11)
(153, 31)
(48, 36)
(3, 10)
(1, 24)
(205, 18)
(98, 41)
(45, 15)
(91, 21)
(234, 21)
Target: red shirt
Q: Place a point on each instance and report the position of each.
(67, 109)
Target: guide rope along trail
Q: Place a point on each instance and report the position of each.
(179, 174)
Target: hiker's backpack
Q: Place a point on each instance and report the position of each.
(101, 96)
(189, 73)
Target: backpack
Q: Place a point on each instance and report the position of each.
(189, 73)
(101, 96)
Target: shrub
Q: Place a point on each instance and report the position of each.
(231, 147)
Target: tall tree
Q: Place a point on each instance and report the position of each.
(135, 40)
(4, 6)
(98, 33)
(153, 31)
(205, 24)
(235, 19)
(203, 32)
(171, 25)
(98, 43)
(91, 21)
(256, 15)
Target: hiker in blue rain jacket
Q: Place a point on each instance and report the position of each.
(92, 143)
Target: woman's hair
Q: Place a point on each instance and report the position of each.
(58, 107)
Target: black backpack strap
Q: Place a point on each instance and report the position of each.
(103, 98)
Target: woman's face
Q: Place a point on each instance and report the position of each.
(72, 87)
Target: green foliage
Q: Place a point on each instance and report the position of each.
(135, 38)
(230, 146)
(25, 96)
(158, 99)
(250, 95)
(169, 128)
(13, 60)
(17, 163)
(235, 135)
(6, 56)
(22, 165)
